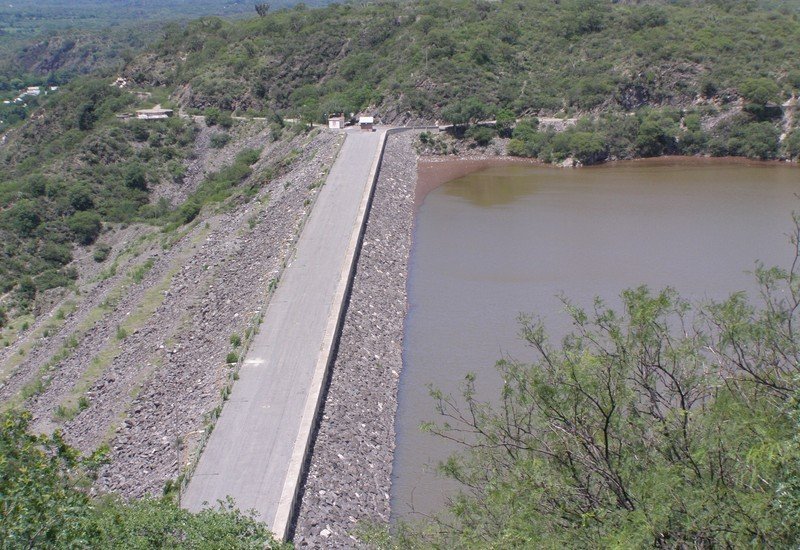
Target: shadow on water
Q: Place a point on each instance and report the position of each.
(493, 187)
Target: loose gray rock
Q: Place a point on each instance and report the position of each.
(349, 475)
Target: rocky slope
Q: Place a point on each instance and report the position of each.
(350, 468)
(138, 359)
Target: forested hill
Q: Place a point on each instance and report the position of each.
(55, 40)
(529, 56)
(633, 79)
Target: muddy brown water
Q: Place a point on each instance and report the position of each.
(502, 239)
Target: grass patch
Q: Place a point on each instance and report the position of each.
(64, 414)
(38, 385)
(151, 300)
(22, 323)
(108, 272)
(138, 273)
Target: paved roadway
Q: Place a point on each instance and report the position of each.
(257, 445)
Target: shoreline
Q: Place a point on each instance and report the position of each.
(434, 171)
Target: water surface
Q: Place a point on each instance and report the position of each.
(510, 239)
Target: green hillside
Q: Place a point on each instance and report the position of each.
(640, 80)
(28, 17)
(528, 56)
(627, 434)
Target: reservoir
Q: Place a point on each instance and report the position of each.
(510, 239)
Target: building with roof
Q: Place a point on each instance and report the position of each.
(157, 113)
(366, 123)
(336, 122)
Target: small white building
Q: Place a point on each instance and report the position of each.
(336, 122)
(32, 90)
(157, 113)
(366, 123)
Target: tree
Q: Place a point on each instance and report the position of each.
(86, 117)
(262, 9)
(40, 510)
(43, 506)
(85, 227)
(80, 197)
(505, 119)
(310, 113)
(22, 218)
(136, 177)
(792, 144)
(588, 147)
(26, 290)
(758, 92)
(464, 112)
(665, 425)
(757, 140)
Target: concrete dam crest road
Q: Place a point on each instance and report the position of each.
(258, 446)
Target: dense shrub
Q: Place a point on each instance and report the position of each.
(44, 505)
(216, 117)
(220, 140)
(463, 112)
(526, 140)
(587, 147)
(188, 211)
(421, 57)
(85, 227)
(217, 186)
(22, 218)
(656, 134)
(101, 252)
(481, 134)
(103, 167)
(80, 197)
(584, 143)
(53, 278)
(647, 17)
(759, 90)
(792, 144)
(136, 177)
(55, 253)
(757, 140)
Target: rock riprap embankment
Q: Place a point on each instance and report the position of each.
(142, 358)
(350, 468)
